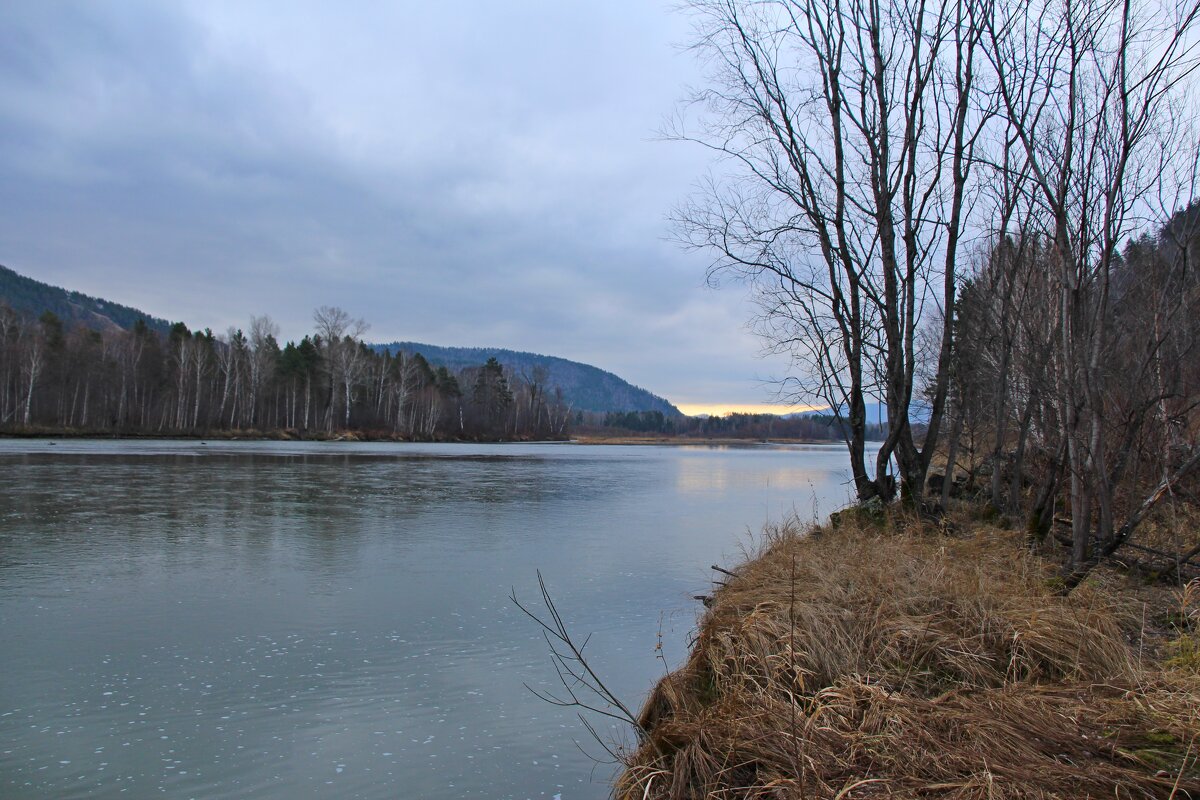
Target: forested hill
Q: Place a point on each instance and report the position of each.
(585, 387)
(34, 298)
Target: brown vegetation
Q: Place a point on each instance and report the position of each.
(983, 215)
(896, 660)
(617, 438)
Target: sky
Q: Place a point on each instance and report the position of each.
(470, 174)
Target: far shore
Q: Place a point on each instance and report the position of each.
(294, 435)
(278, 435)
(619, 438)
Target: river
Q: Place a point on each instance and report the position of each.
(280, 620)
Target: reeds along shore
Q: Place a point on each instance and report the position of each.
(898, 661)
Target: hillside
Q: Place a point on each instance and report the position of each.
(877, 412)
(28, 296)
(587, 388)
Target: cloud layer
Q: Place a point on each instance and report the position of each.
(473, 174)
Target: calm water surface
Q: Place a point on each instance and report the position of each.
(280, 620)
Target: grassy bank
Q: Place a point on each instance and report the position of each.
(898, 660)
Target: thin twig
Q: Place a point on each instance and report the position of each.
(577, 676)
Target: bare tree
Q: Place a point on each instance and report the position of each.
(231, 353)
(1088, 91)
(405, 376)
(850, 127)
(339, 334)
(203, 343)
(264, 350)
(9, 359)
(35, 352)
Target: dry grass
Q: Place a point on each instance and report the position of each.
(871, 663)
(1174, 527)
(1184, 651)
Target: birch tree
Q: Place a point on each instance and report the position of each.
(339, 334)
(264, 353)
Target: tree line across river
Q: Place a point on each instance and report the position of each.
(737, 425)
(58, 375)
(138, 381)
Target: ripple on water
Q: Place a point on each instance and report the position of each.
(253, 619)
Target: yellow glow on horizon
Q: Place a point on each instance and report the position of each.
(721, 409)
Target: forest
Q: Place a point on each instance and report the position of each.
(61, 375)
(71, 377)
(738, 425)
(985, 212)
(77, 364)
(1125, 445)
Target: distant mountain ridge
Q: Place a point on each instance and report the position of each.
(877, 413)
(587, 388)
(29, 296)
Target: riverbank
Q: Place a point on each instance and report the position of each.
(271, 435)
(897, 660)
(295, 435)
(600, 438)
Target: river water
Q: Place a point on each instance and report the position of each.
(281, 620)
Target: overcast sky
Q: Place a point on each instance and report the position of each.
(468, 174)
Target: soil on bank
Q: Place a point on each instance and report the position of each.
(899, 660)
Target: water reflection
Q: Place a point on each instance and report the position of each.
(283, 619)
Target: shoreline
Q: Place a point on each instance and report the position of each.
(278, 435)
(292, 435)
(622, 439)
(885, 657)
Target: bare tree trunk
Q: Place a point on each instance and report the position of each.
(33, 361)
(951, 460)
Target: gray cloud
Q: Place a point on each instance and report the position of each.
(467, 175)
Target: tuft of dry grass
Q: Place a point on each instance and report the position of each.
(1184, 652)
(867, 662)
